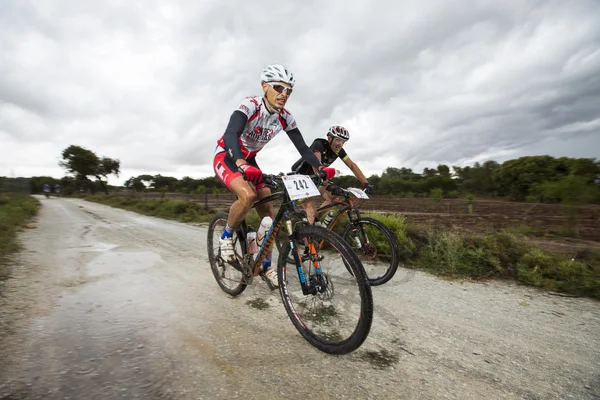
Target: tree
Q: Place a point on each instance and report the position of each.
(164, 182)
(429, 172)
(107, 166)
(82, 163)
(138, 183)
(443, 170)
(516, 178)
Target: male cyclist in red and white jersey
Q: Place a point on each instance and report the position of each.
(251, 126)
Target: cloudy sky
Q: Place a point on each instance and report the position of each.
(417, 83)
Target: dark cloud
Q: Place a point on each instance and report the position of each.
(417, 83)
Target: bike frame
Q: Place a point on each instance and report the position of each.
(283, 214)
(344, 206)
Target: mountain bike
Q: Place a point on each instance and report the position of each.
(325, 294)
(371, 240)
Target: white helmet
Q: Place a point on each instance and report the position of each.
(277, 73)
(339, 132)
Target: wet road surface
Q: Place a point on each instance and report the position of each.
(107, 304)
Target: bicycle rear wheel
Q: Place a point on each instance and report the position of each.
(376, 248)
(229, 274)
(337, 316)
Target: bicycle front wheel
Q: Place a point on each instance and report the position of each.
(376, 247)
(336, 313)
(229, 274)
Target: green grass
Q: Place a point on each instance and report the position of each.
(15, 210)
(397, 224)
(508, 256)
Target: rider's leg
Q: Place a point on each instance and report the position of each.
(329, 198)
(246, 196)
(267, 210)
(311, 210)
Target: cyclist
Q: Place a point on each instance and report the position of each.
(327, 151)
(251, 126)
(46, 189)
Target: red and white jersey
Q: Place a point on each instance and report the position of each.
(262, 126)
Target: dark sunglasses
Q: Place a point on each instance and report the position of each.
(280, 88)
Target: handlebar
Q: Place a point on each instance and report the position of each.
(346, 193)
(274, 181)
(271, 181)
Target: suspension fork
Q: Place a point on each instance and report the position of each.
(356, 228)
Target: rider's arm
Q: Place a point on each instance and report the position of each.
(306, 153)
(234, 130)
(355, 170)
(318, 155)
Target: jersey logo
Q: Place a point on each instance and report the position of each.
(220, 171)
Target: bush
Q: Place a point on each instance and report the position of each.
(541, 269)
(397, 224)
(15, 209)
(451, 253)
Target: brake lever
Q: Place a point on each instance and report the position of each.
(270, 181)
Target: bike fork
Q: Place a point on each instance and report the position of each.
(307, 288)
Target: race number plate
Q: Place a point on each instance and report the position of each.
(300, 186)
(358, 193)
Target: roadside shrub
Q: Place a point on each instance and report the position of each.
(15, 210)
(128, 201)
(541, 269)
(397, 224)
(454, 254)
(445, 254)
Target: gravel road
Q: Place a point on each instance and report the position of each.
(105, 304)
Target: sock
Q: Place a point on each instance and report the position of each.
(266, 262)
(227, 233)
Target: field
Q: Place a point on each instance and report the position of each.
(476, 216)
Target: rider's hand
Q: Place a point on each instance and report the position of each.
(335, 190)
(369, 189)
(250, 173)
(327, 173)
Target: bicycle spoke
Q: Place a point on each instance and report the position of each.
(228, 274)
(335, 315)
(376, 248)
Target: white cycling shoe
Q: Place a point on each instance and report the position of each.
(226, 246)
(271, 275)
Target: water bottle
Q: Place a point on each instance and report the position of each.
(252, 246)
(328, 219)
(264, 227)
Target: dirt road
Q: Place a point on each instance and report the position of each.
(107, 304)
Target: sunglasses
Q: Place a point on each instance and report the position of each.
(280, 88)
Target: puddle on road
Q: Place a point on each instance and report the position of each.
(379, 359)
(258, 303)
(106, 338)
(118, 262)
(96, 247)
